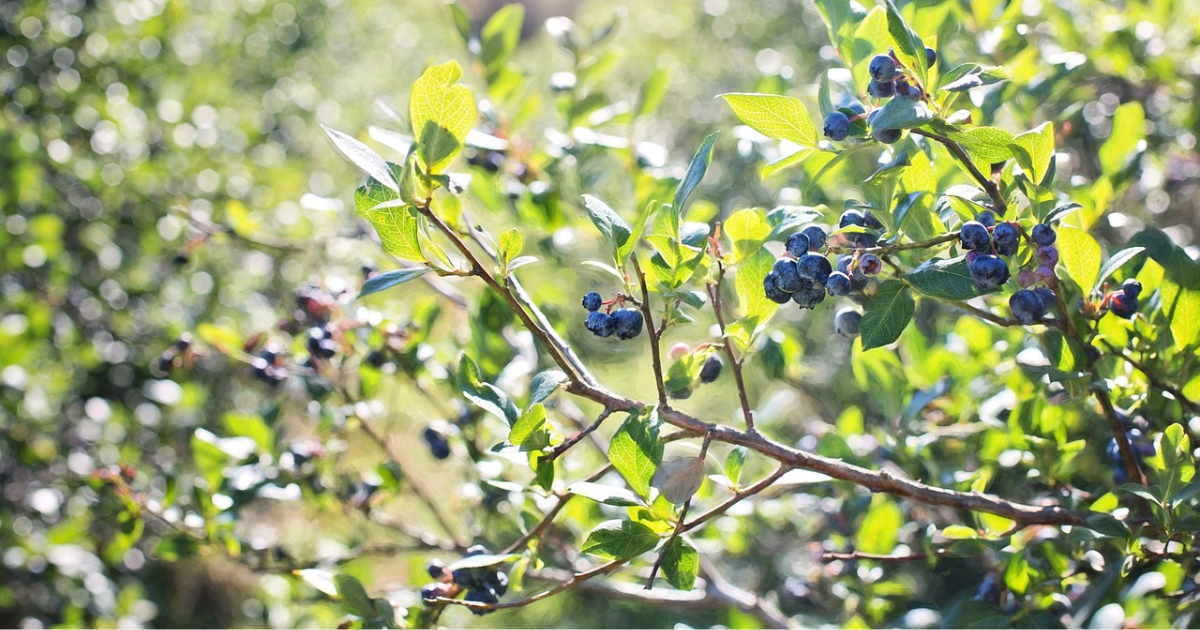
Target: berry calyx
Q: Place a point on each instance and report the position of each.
(870, 264)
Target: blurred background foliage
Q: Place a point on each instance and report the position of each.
(163, 176)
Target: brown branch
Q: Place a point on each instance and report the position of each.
(722, 507)
(575, 578)
(897, 247)
(687, 505)
(562, 448)
(548, 518)
(880, 557)
(998, 320)
(988, 185)
(648, 316)
(714, 293)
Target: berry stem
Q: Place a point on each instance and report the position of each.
(955, 148)
(894, 247)
(654, 334)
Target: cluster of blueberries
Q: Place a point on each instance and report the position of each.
(887, 80)
(625, 323)
(482, 584)
(1124, 301)
(268, 366)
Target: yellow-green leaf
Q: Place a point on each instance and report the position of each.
(442, 114)
(1080, 254)
(774, 116)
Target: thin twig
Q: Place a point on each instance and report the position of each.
(654, 335)
(880, 557)
(565, 446)
(896, 247)
(678, 524)
(996, 319)
(1154, 378)
(988, 185)
(548, 518)
(714, 293)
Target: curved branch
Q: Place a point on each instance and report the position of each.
(988, 185)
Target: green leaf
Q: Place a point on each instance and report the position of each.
(960, 532)
(397, 229)
(972, 75)
(695, 173)
(615, 230)
(747, 229)
(1080, 254)
(1115, 261)
(909, 47)
(608, 495)
(499, 38)
(886, 315)
(442, 114)
(485, 395)
(774, 116)
(985, 145)
(529, 422)
(1017, 574)
(1107, 525)
(902, 113)
(511, 243)
(680, 564)
(639, 226)
(880, 528)
(1179, 288)
(636, 452)
(363, 157)
(1126, 140)
(947, 279)
(1036, 149)
(1173, 461)
(617, 540)
(544, 384)
(653, 91)
(390, 279)
(354, 597)
(734, 463)
(749, 285)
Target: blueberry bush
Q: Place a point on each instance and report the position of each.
(890, 339)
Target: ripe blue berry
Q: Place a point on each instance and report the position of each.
(712, 368)
(809, 295)
(814, 268)
(886, 136)
(1027, 306)
(838, 284)
(1122, 304)
(600, 324)
(592, 301)
(882, 68)
(1047, 255)
(837, 126)
(904, 89)
(974, 237)
(627, 323)
(871, 222)
(987, 218)
(1006, 237)
(930, 57)
(816, 237)
(438, 445)
(1043, 235)
(857, 108)
(879, 89)
(436, 569)
(787, 276)
(797, 244)
(1132, 288)
(870, 264)
(847, 322)
(988, 272)
(852, 217)
(772, 290)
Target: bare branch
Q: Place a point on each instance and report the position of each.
(714, 294)
(956, 149)
(654, 350)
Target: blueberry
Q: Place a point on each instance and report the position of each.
(1047, 256)
(885, 135)
(857, 108)
(1006, 236)
(1027, 306)
(483, 596)
(871, 117)
(797, 244)
(592, 301)
(871, 222)
(816, 237)
(1048, 298)
(1132, 288)
(846, 323)
(974, 237)
(852, 217)
(930, 57)
(320, 343)
(870, 264)
(987, 218)
(1122, 304)
(600, 324)
(837, 126)
(431, 591)
(863, 239)
(988, 272)
(787, 276)
(1043, 234)
(904, 89)
(772, 290)
(712, 368)
(809, 295)
(814, 268)
(477, 550)
(499, 582)
(438, 445)
(436, 569)
(627, 323)
(838, 283)
(879, 89)
(882, 68)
